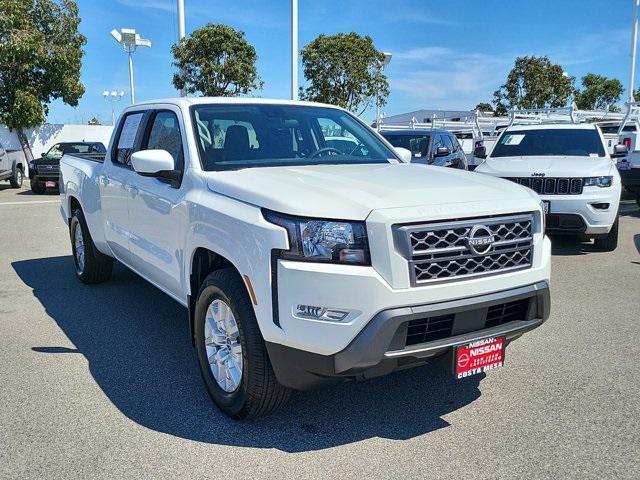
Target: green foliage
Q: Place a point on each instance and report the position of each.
(534, 82)
(40, 59)
(344, 70)
(598, 92)
(216, 60)
(484, 107)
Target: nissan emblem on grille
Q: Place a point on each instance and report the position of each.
(447, 250)
(480, 239)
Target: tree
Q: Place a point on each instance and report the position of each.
(217, 61)
(345, 70)
(598, 92)
(534, 82)
(40, 60)
(484, 107)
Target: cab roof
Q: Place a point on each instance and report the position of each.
(189, 101)
(552, 126)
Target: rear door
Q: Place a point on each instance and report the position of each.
(4, 160)
(114, 182)
(157, 210)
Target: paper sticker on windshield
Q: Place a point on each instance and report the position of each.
(512, 139)
(129, 130)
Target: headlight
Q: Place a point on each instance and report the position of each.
(598, 182)
(31, 166)
(316, 240)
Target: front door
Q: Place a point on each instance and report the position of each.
(157, 210)
(114, 183)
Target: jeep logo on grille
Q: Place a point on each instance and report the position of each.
(480, 239)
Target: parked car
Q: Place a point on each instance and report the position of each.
(628, 165)
(569, 167)
(44, 171)
(12, 166)
(429, 146)
(300, 265)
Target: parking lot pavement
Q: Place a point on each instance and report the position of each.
(102, 382)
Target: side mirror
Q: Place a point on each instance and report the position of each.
(619, 151)
(480, 152)
(404, 154)
(442, 152)
(44, 154)
(153, 163)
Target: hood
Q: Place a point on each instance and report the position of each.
(353, 191)
(550, 166)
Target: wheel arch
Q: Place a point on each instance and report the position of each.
(204, 261)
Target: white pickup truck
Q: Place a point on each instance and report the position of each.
(301, 264)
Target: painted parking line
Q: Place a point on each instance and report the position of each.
(33, 202)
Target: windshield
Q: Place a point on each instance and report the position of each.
(609, 129)
(60, 149)
(231, 137)
(418, 143)
(549, 142)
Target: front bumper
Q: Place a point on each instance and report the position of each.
(583, 213)
(383, 345)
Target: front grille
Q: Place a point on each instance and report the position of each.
(424, 330)
(507, 312)
(46, 169)
(551, 186)
(429, 329)
(443, 251)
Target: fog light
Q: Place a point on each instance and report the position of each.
(311, 312)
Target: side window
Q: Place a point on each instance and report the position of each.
(125, 143)
(165, 135)
(449, 143)
(438, 142)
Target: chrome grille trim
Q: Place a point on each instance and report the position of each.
(551, 186)
(438, 251)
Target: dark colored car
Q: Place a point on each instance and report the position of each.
(430, 146)
(44, 172)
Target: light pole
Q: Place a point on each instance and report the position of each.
(113, 96)
(181, 31)
(130, 41)
(294, 49)
(385, 63)
(634, 45)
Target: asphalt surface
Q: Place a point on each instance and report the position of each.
(102, 382)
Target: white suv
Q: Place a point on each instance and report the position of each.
(569, 167)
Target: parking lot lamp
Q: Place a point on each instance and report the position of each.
(130, 41)
(113, 96)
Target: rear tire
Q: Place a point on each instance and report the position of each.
(609, 242)
(91, 265)
(16, 179)
(257, 392)
(37, 187)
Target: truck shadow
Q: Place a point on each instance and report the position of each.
(137, 345)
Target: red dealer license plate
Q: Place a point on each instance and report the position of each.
(479, 356)
(49, 184)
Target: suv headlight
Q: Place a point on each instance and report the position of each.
(598, 181)
(318, 240)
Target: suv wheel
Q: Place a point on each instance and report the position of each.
(609, 242)
(37, 187)
(232, 355)
(91, 265)
(16, 179)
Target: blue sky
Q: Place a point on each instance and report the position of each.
(446, 54)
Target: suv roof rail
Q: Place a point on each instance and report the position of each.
(453, 121)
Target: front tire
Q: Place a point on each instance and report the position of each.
(91, 265)
(232, 355)
(17, 178)
(609, 242)
(37, 187)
